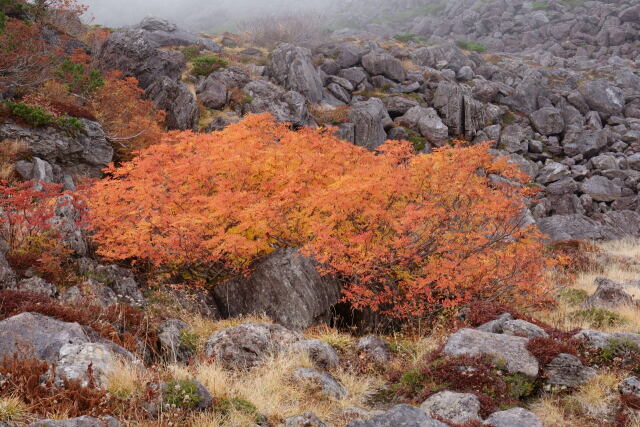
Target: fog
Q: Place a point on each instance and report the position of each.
(211, 15)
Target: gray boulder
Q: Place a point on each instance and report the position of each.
(523, 328)
(178, 102)
(374, 348)
(446, 55)
(35, 285)
(599, 339)
(7, 275)
(454, 407)
(132, 53)
(172, 345)
(567, 371)
(514, 417)
(84, 421)
(74, 360)
(462, 114)
(41, 335)
(321, 354)
(571, 227)
(630, 385)
(608, 295)
(85, 154)
(601, 189)
(308, 419)
(162, 33)
(548, 121)
(510, 349)
(328, 385)
(381, 63)
(369, 118)
(432, 128)
(604, 98)
(399, 105)
(292, 67)
(285, 106)
(119, 279)
(399, 416)
(248, 345)
(552, 172)
(284, 285)
(355, 75)
(515, 138)
(495, 326)
(589, 143)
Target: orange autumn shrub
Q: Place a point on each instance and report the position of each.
(130, 122)
(410, 235)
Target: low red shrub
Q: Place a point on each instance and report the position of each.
(546, 349)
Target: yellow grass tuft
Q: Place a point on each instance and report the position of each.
(12, 409)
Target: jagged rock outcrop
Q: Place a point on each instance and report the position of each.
(134, 55)
(177, 101)
(57, 155)
(292, 67)
(286, 286)
(285, 106)
(162, 33)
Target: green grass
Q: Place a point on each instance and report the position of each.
(182, 394)
(471, 45)
(410, 37)
(540, 5)
(616, 348)
(205, 65)
(37, 116)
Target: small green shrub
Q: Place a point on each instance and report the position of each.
(205, 65)
(190, 52)
(410, 37)
(519, 386)
(182, 393)
(189, 340)
(419, 143)
(471, 45)
(617, 348)
(79, 78)
(508, 118)
(540, 5)
(225, 406)
(37, 116)
(34, 116)
(598, 317)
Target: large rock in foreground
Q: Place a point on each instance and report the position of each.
(400, 416)
(41, 336)
(285, 286)
(248, 345)
(84, 421)
(509, 349)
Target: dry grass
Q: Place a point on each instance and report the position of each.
(272, 390)
(12, 409)
(327, 115)
(590, 405)
(620, 263)
(10, 152)
(128, 380)
(203, 327)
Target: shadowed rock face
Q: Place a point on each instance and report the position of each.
(285, 286)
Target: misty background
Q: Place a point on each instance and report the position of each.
(217, 16)
(204, 15)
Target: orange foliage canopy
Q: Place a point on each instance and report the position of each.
(409, 234)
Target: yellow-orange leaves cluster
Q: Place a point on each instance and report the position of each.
(409, 234)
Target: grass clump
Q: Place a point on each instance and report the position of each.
(227, 406)
(471, 45)
(190, 52)
(410, 37)
(12, 409)
(205, 65)
(574, 296)
(598, 317)
(618, 348)
(182, 394)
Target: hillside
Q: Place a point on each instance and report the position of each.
(418, 213)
